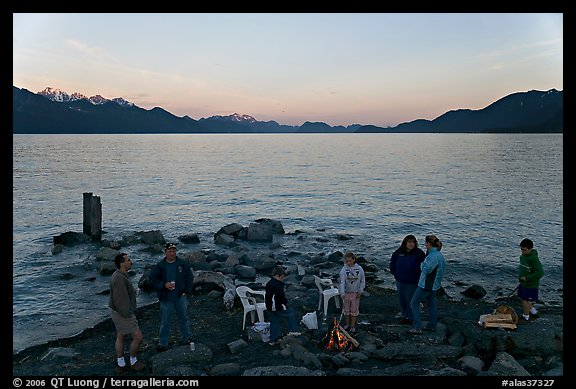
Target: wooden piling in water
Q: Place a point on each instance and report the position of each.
(92, 216)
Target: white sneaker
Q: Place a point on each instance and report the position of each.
(294, 333)
(398, 315)
(533, 311)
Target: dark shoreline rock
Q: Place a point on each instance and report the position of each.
(458, 347)
(385, 346)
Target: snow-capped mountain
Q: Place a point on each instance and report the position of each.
(235, 117)
(60, 96)
(98, 99)
(55, 94)
(77, 96)
(122, 102)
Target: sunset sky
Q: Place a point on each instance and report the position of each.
(339, 68)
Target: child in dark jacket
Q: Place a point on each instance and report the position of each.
(277, 305)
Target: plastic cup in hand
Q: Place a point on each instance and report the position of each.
(172, 285)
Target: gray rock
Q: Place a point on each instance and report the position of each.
(106, 254)
(340, 360)
(180, 355)
(212, 256)
(282, 370)
(447, 371)
(225, 369)
(472, 363)
(233, 259)
(505, 365)
(71, 238)
(230, 229)
(54, 353)
(260, 263)
(205, 265)
(106, 268)
(223, 240)
(245, 271)
(195, 257)
(57, 249)
(336, 256)
(130, 238)
(349, 372)
(236, 346)
(189, 238)
(457, 339)
(370, 267)
(264, 230)
(475, 292)
(152, 237)
(309, 359)
(144, 282)
(308, 281)
(316, 259)
(356, 356)
(155, 248)
(226, 269)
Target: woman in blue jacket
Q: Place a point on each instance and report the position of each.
(430, 281)
(405, 266)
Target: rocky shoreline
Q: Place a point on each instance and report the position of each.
(459, 347)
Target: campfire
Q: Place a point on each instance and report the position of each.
(337, 339)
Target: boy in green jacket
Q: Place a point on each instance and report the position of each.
(530, 273)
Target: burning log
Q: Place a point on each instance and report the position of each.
(339, 339)
(347, 335)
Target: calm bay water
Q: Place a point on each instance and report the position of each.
(479, 193)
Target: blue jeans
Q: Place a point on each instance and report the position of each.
(405, 294)
(166, 310)
(275, 322)
(430, 297)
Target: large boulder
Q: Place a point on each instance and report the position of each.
(244, 271)
(505, 365)
(152, 237)
(260, 263)
(106, 254)
(263, 230)
(189, 238)
(71, 238)
(230, 229)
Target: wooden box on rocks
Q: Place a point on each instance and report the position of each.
(497, 320)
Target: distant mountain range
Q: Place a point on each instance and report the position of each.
(53, 111)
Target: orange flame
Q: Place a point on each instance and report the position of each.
(336, 341)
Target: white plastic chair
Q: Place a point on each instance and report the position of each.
(250, 303)
(326, 290)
